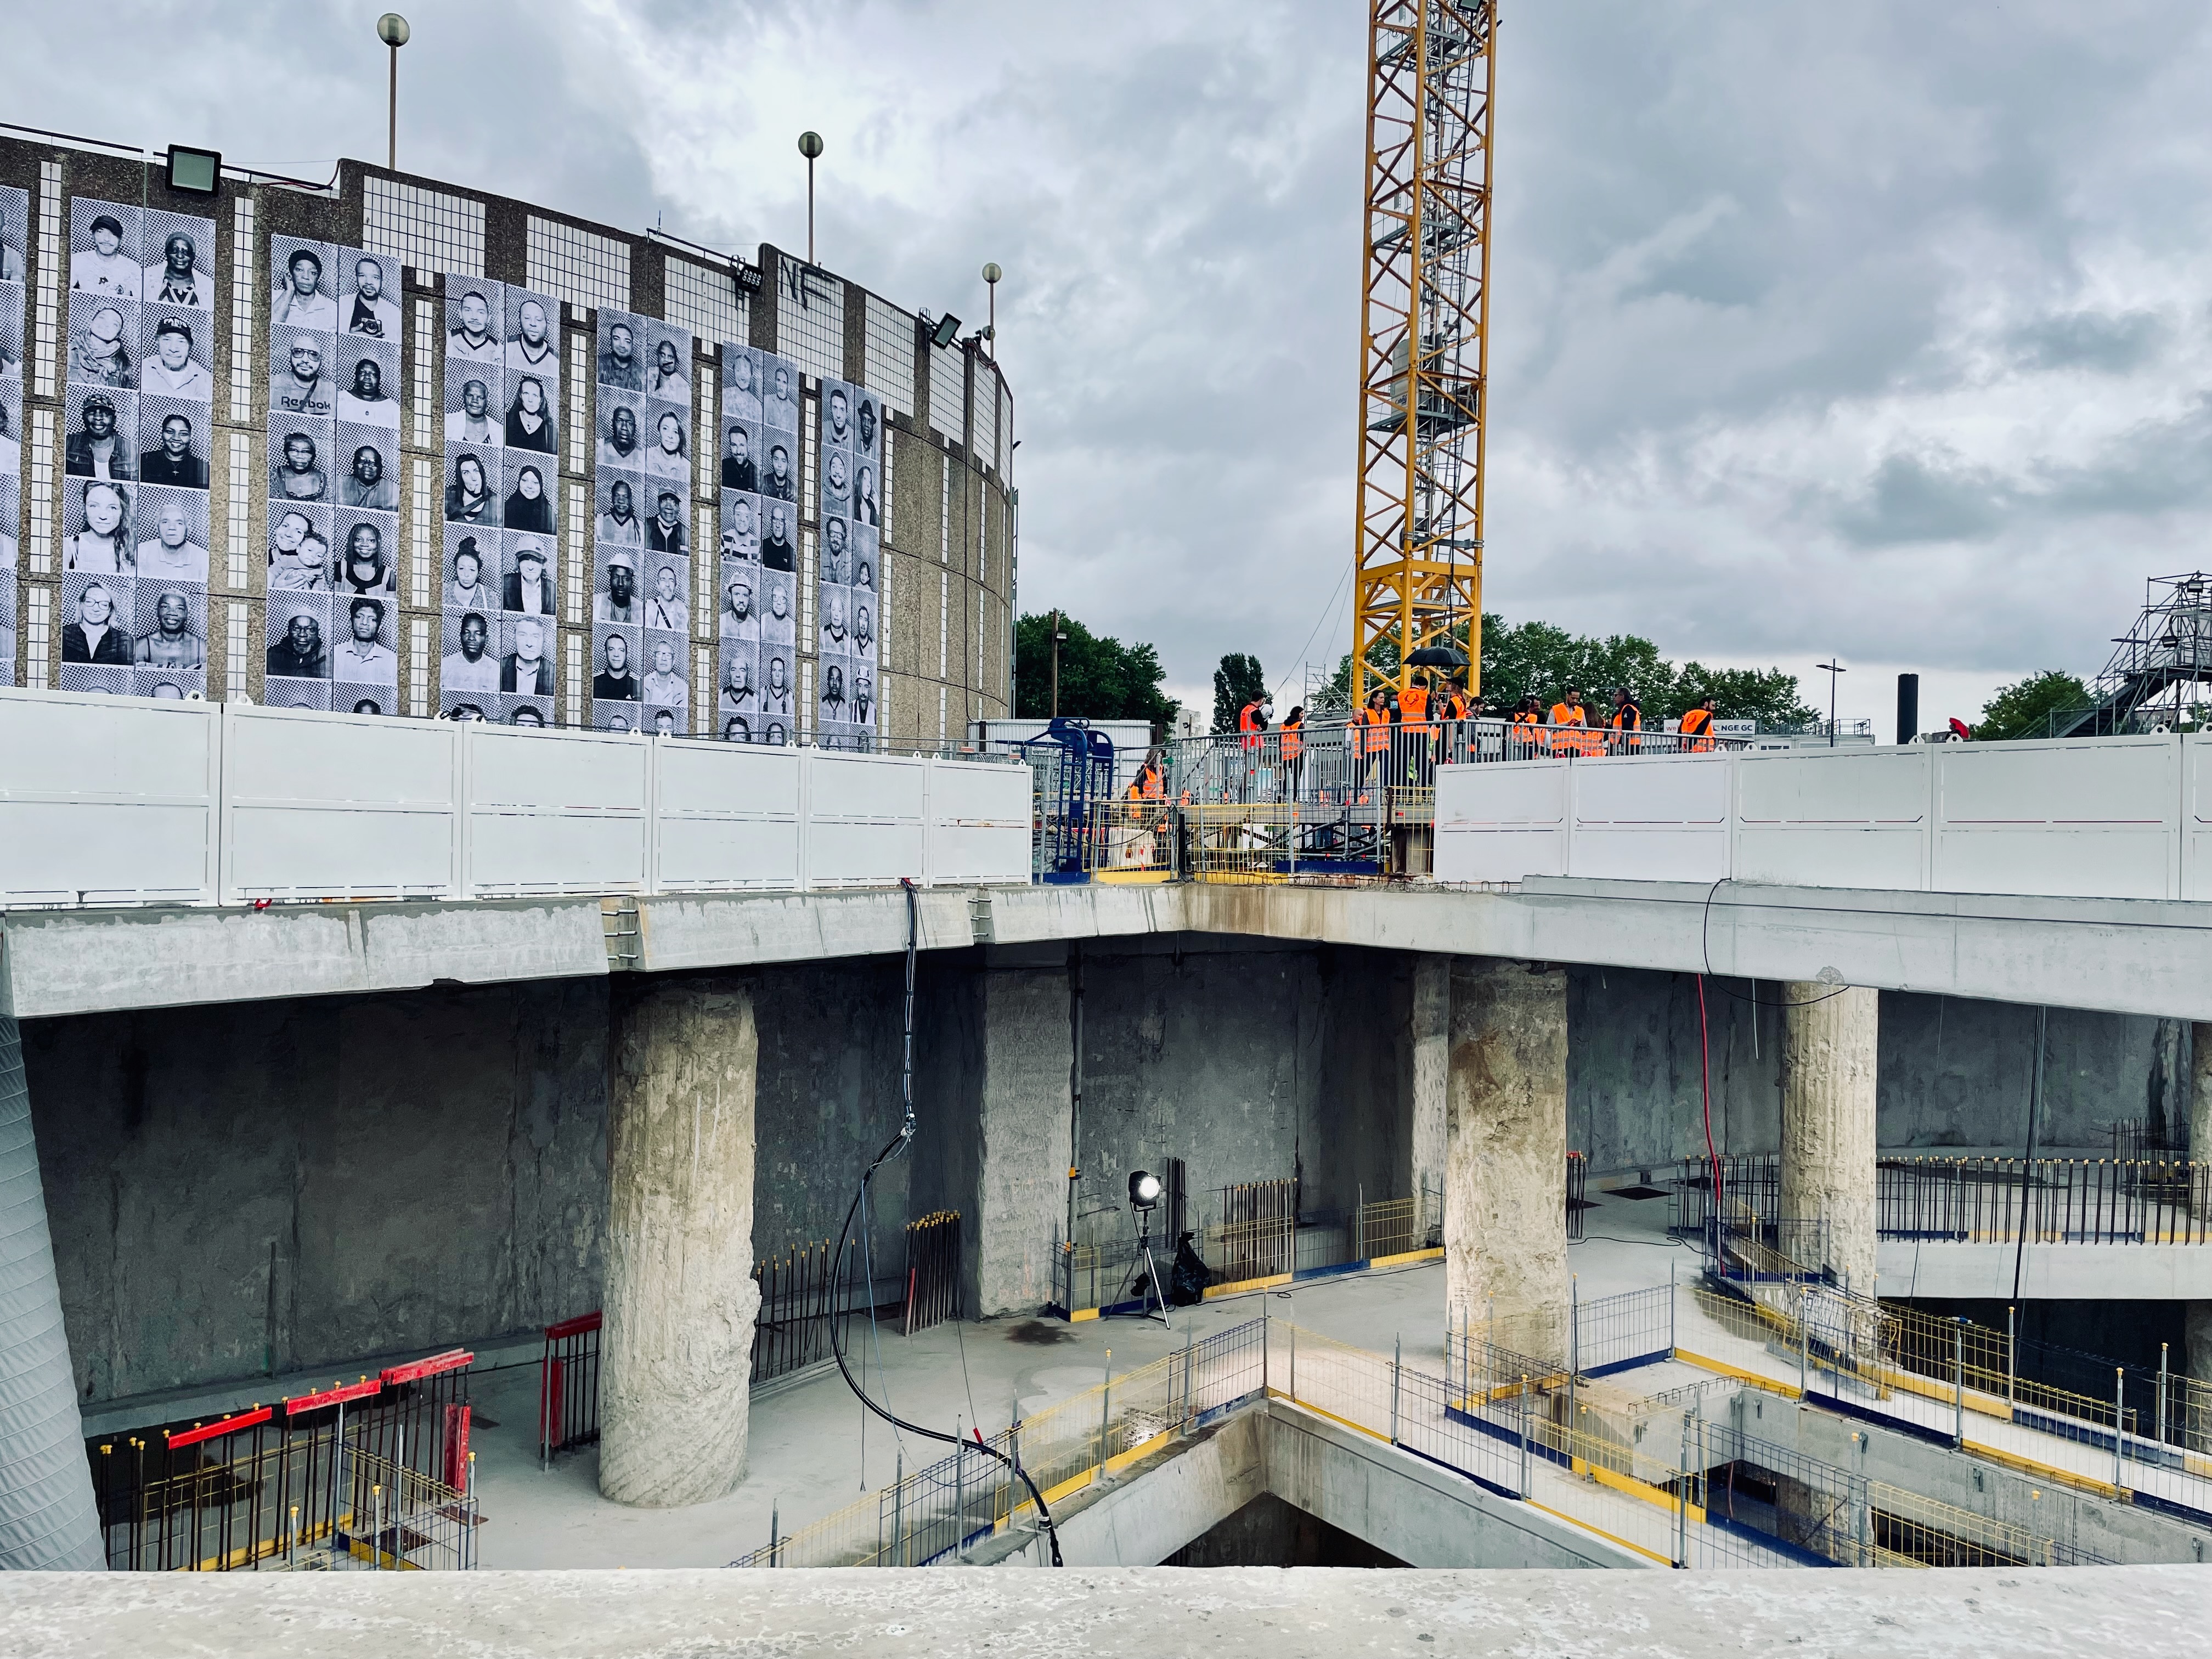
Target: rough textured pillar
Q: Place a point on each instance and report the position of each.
(1505, 1148)
(676, 1354)
(1431, 1041)
(47, 1516)
(1017, 1188)
(1828, 1145)
(2196, 1318)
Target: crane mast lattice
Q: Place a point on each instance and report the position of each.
(1423, 332)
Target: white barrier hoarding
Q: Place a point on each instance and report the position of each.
(2117, 818)
(109, 801)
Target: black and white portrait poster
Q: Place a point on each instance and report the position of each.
(501, 542)
(757, 645)
(137, 410)
(846, 584)
(641, 549)
(330, 619)
(14, 228)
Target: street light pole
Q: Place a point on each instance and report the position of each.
(392, 29)
(991, 275)
(1832, 669)
(1057, 636)
(810, 146)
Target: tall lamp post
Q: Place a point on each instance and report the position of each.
(1057, 636)
(392, 29)
(1831, 670)
(810, 146)
(991, 275)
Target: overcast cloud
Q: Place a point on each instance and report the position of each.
(1882, 330)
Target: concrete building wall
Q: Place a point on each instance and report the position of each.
(1960, 1073)
(1209, 1049)
(273, 1185)
(1634, 1099)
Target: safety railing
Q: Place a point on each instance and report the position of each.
(2135, 1140)
(1985, 1200)
(1955, 1377)
(569, 1387)
(946, 1507)
(1253, 1234)
(791, 1329)
(273, 1488)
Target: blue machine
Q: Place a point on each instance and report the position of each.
(1073, 767)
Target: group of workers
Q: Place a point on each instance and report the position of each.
(1419, 725)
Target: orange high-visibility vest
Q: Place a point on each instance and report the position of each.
(1248, 722)
(1413, 706)
(1293, 744)
(1376, 737)
(1697, 724)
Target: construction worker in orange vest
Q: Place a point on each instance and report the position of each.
(1570, 723)
(1294, 750)
(1252, 727)
(1373, 726)
(1526, 735)
(1697, 727)
(1413, 716)
(1627, 720)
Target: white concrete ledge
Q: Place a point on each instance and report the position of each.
(2146, 1612)
(2064, 1273)
(2126, 955)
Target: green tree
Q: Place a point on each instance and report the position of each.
(1771, 696)
(1236, 683)
(2024, 710)
(1100, 678)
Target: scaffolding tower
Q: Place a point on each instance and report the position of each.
(2156, 666)
(1417, 572)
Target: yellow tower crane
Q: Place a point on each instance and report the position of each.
(1423, 339)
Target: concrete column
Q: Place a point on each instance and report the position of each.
(1828, 1146)
(1015, 1205)
(676, 1355)
(1431, 1035)
(1505, 1148)
(2196, 1318)
(47, 1515)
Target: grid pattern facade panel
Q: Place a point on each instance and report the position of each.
(986, 414)
(580, 266)
(705, 299)
(948, 393)
(427, 229)
(889, 354)
(241, 311)
(810, 320)
(1005, 431)
(48, 320)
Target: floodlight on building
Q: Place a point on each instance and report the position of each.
(196, 171)
(947, 332)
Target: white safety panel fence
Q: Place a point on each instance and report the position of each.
(2108, 817)
(105, 801)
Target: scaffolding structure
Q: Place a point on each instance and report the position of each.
(1424, 331)
(2156, 667)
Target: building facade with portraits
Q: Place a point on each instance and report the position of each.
(397, 447)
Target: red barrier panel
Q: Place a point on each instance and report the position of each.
(416, 1369)
(339, 1395)
(192, 1437)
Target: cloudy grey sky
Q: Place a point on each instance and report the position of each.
(1882, 330)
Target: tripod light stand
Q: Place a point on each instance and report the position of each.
(1144, 1199)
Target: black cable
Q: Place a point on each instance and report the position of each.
(1705, 946)
(897, 1144)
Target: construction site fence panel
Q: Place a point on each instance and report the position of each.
(1937, 1198)
(358, 1484)
(2090, 817)
(118, 801)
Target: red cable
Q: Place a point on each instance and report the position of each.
(1706, 1088)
